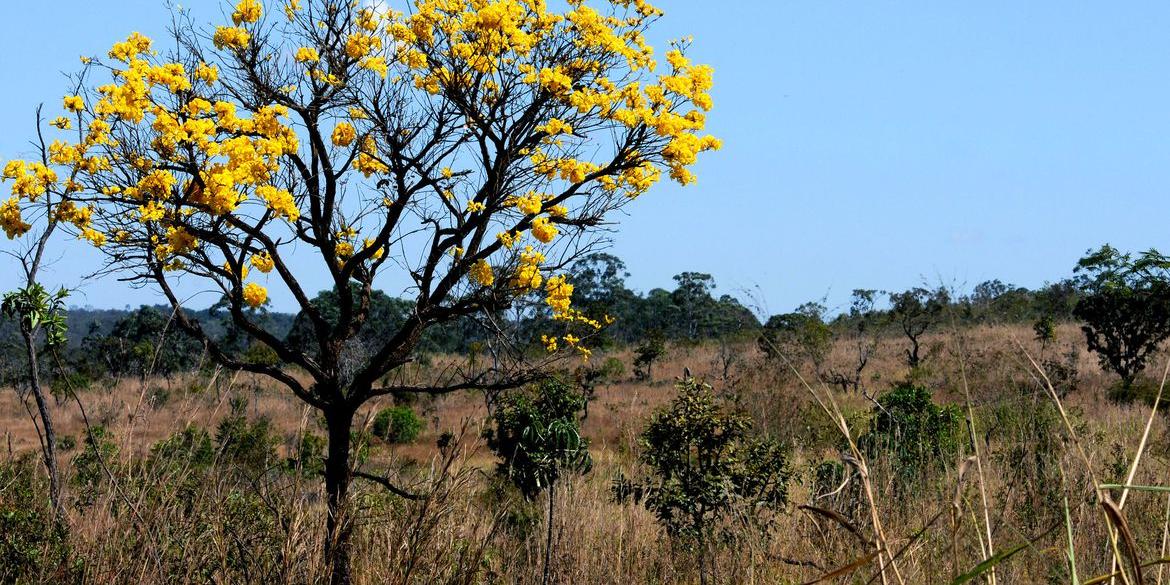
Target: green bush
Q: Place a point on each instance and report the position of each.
(190, 446)
(911, 428)
(30, 544)
(397, 424)
(248, 445)
(537, 436)
(708, 463)
(89, 465)
(310, 455)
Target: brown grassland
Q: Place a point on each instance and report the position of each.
(137, 523)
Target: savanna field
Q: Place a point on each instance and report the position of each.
(239, 510)
(386, 332)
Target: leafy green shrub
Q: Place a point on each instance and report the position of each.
(310, 455)
(62, 385)
(397, 424)
(612, 369)
(189, 447)
(249, 445)
(89, 465)
(536, 436)
(706, 465)
(31, 545)
(911, 428)
(538, 440)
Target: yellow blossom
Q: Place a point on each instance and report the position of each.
(10, 219)
(255, 295)
(247, 11)
(74, 103)
(344, 134)
(307, 55)
(208, 74)
(262, 262)
(544, 230)
(481, 273)
(230, 37)
(559, 295)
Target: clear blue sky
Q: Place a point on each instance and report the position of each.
(867, 143)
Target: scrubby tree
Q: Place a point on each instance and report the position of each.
(646, 353)
(1125, 307)
(706, 464)
(916, 311)
(802, 333)
(470, 149)
(40, 316)
(147, 341)
(864, 331)
(538, 440)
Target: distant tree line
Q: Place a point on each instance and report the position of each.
(145, 340)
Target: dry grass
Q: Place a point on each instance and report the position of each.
(148, 525)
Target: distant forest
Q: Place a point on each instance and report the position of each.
(124, 342)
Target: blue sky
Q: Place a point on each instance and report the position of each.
(867, 144)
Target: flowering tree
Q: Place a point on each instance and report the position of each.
(473, 146)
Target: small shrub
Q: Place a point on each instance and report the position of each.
(188, 447)
(248, 445)
(89, 465)
(536, 436)
(31, 545)
(612, 369)
(707, 466)
(649, 351)
(310, 455)
(397, 424)
(915, 431)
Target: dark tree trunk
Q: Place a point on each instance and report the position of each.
(49, 445)
(337, 476)
(549, 535)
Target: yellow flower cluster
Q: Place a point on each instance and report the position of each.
(481, 273)
(530, 204)
(559, 294)
(280, 201)
(231, 37)
(255, 295)
(544, 230)
(11, 220)
(528, 272)
(74, 103)
(178, 241)
(247, 11)
(344, 134)
(30, 180)
(307, 55)
(262, 262)
(554, 127)
(136, 44)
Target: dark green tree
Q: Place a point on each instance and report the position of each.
(1125, 307)
(916, 311)
(706, 463)
(538, 440)
(649, 351)
(145, 342)
(801, 334)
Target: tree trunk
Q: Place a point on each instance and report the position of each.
(49, 444)
(549, 538)
(337, 476)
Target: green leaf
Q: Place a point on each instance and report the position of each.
(988, 564)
